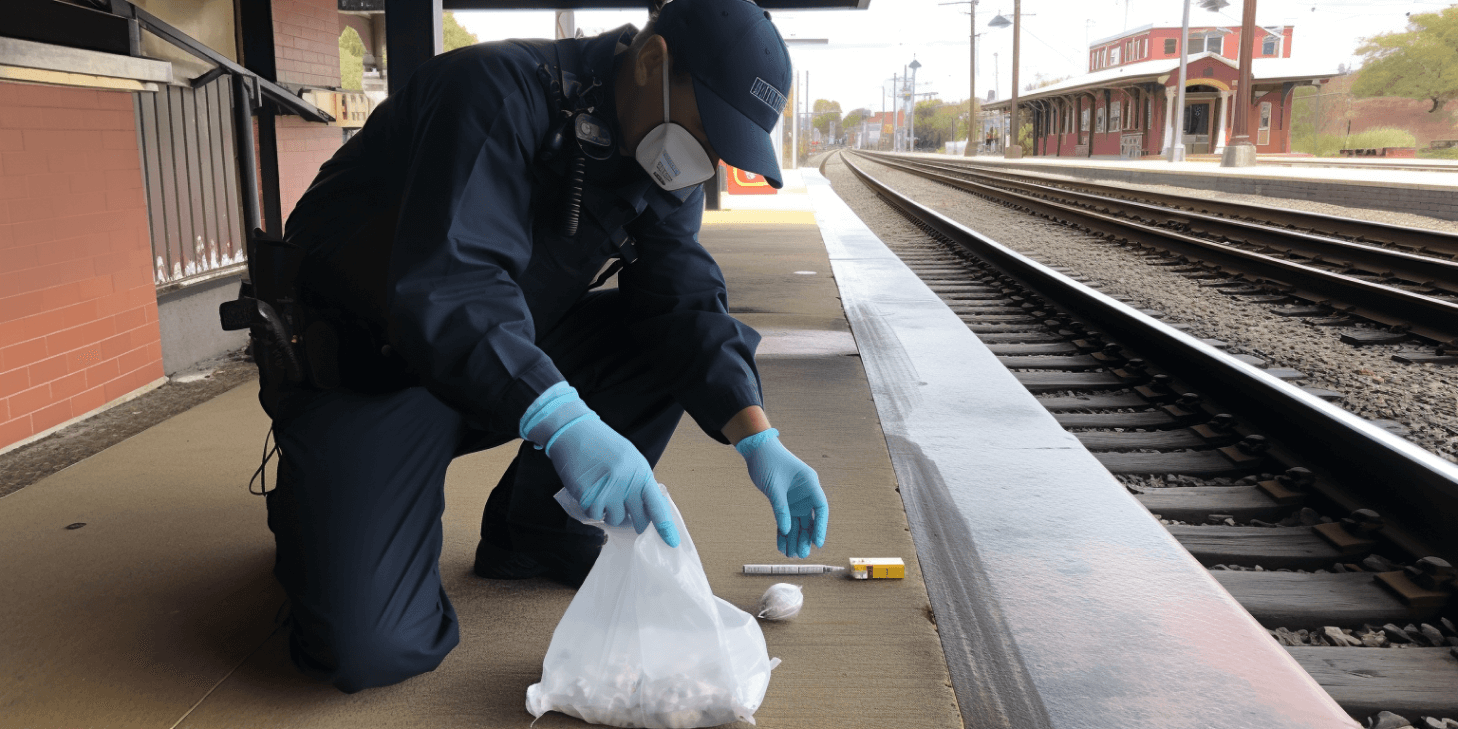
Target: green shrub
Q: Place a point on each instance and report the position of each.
(1448, 153)
(1380, 137)
(351, 60)
(1321, 145)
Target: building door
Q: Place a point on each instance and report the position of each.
(1197, 127)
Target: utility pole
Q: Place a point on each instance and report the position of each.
(795, 121)
(1240, 152)
(911, 121)
(811, 125)
(1088, 57)
(896, 114)
(972, 83)
(881, 131)
(1176, 151)
(901, 102)
(1015, 150)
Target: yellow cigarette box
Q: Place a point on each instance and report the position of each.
(877, 568)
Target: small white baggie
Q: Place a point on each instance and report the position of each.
(645, 643)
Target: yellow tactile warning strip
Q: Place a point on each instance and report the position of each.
(159, 612)
(759, 217)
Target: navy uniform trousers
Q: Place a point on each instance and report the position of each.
(356, 514)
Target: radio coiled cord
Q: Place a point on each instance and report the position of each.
(577, 178)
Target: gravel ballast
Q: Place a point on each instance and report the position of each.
(1423, 398)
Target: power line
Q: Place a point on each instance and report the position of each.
(1055, 50)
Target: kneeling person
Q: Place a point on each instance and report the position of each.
(455, 243)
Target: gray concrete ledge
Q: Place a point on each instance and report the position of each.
(47, 57)
(188, 318)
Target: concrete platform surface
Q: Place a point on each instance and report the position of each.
(159, 612)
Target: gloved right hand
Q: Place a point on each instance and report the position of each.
(603, 470)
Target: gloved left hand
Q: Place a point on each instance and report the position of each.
(793, 488)
(604, 471)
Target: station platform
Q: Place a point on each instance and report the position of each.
(159, 612)
(1051, 598)
(1433, 193)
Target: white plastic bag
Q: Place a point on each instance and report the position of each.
(781, 601)
(645, 643)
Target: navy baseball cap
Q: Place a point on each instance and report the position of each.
(741, 72)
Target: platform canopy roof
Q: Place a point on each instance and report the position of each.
(1263, 71)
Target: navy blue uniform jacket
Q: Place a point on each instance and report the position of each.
(435, 225)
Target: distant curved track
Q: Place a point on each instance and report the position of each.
(1395, 276)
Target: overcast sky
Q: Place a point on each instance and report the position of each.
(867, 46)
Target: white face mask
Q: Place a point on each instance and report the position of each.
(671, 155)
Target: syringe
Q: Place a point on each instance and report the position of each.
(790, 569)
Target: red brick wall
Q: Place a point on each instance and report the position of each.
(1338, 109)
(78, 309)
(306, 40)
(302, 148)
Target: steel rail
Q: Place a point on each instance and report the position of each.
(1433, 272)
(1360, 230)
(1425, 316)
(1385, 472)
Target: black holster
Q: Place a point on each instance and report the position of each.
(299, 337)
(292, 343)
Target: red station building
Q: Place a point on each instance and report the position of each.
(1123, 106)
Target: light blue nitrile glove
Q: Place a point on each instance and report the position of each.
(603, 470)
(793, 488)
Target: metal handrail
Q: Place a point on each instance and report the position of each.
(260, 88)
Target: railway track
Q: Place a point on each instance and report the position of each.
(1336, 535)
(1432, 242)
(1303, 264)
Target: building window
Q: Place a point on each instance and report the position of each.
(1197, 44)
(1264, 136)
(1099, 121)
(1171, 45)
(1271, 46)
(1114, 56)
(1083, 122)
(1115, 116)
(1212, 44)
